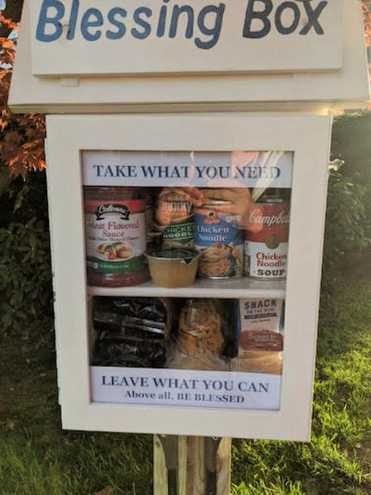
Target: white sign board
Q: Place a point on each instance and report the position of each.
(185, 388)
(200, 169)
(117, 37)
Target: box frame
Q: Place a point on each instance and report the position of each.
(308, 137)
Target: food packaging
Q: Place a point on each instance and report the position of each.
(173, 268)
(200, 339)
(259, 362)
(131, 332)
(260, 337)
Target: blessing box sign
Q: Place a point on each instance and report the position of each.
(91, 37)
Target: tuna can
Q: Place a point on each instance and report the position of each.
(219, 238)
(115, 230)
(174, 219)
(266, 251)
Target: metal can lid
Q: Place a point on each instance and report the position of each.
(217, 202)
(171, 254)
(269, 201)
(173, 196)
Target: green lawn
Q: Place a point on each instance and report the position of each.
(37, 458)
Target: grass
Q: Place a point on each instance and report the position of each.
(337, 460)
(37, 458)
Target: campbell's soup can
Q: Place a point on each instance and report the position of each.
(219, 238)
(266, 250)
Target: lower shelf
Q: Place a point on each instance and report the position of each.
(222, 289)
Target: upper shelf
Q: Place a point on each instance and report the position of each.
(222, 289)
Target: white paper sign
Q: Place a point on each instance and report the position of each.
(185, 388)
(92, 37)
(201, 169)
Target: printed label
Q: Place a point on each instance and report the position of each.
(185, 388)
(274, 220)
(260, 321)
(181, 168)
(115, 236)
(220, 240)
(265, 263)
(178, 235)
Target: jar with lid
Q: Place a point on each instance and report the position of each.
(115, 230)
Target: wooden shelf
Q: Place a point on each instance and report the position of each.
(222, 289)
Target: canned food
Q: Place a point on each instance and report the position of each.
(174, 219)
(219, 238)
(115, 237)
(266, 251)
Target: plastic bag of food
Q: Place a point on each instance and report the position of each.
(131, 332)
(270, 362)
(202, 361)
(200, 340)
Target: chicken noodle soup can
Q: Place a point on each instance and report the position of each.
(115, 229)
(174, 219)
(219, 238)
(266, 250)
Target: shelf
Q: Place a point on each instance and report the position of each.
(222, 289)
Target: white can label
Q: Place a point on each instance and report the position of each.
(265, 263)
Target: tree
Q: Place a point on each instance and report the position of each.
(21, 136)
(12, 11)
(367, 16)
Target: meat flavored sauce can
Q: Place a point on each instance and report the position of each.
(266, 251)
(115, 230)
(219, 238)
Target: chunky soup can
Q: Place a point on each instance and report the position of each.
(115, 229)
(219, 238)
(266, 250)
(174, 219)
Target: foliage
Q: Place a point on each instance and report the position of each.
(351, 144)
(347, 226)
(21, 136)
(25, 275)
(260, 487)
(367, 20)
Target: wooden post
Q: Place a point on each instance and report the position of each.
(223, 467)
(159, 468)
(196, 469)
(182, 461)
(203, 468)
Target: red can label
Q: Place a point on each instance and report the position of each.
(266, 250)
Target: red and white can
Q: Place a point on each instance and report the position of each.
(266, 250)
